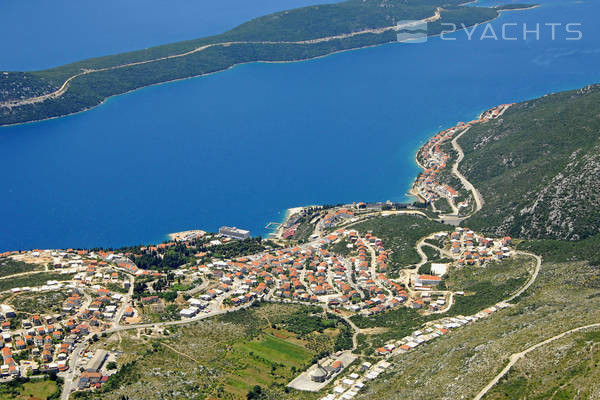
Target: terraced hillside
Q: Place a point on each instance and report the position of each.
(538, 168)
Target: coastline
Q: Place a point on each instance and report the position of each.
(520, 9)
(287, 212)
(277, 233)
(193, 77)
(244, 63)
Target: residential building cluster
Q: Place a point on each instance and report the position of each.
(434, 160)
(469, 248)
(432, 330)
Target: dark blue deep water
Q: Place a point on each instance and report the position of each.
(239, 147)
(38, 34)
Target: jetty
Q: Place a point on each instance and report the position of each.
(273, 226)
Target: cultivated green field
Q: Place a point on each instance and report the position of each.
(222, 357)
(264, 361)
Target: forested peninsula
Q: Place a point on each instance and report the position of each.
(294, 35)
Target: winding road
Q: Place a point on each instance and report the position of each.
(65, 86)
(468, 185)
(517, 356)
(456, 219)
(538, 265)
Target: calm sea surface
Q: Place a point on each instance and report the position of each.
(38, 34)
(239, 147)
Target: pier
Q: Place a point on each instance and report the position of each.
(273, 226)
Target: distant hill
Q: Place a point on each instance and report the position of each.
(538, 168)
(292, 35)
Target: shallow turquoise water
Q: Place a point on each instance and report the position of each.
(239, 147)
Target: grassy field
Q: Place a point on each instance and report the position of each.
(223, 357)
(459, 364)
(33, 390)
(265, 361)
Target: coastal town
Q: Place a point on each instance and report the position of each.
(49, 328)
(431, 185)
(99, 296)
(353, 200)
(99, 292)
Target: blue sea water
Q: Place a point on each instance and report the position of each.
(239, 147)
(38, 34)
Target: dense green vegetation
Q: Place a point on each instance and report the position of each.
(399, 234)
(557, 250)
(304, 321)
(486, 293)
(170, 259)
(8, 266)
(537, 168)
(238, 248)
(399, 323)
(341, 247)
(255, 40)
(484, 286)
(443, 206)
(116, 287)
(179, 254)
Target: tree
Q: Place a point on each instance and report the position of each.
(139, 288)
(255, 393)
(169, 296)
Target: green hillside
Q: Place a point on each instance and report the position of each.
(538, 168)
